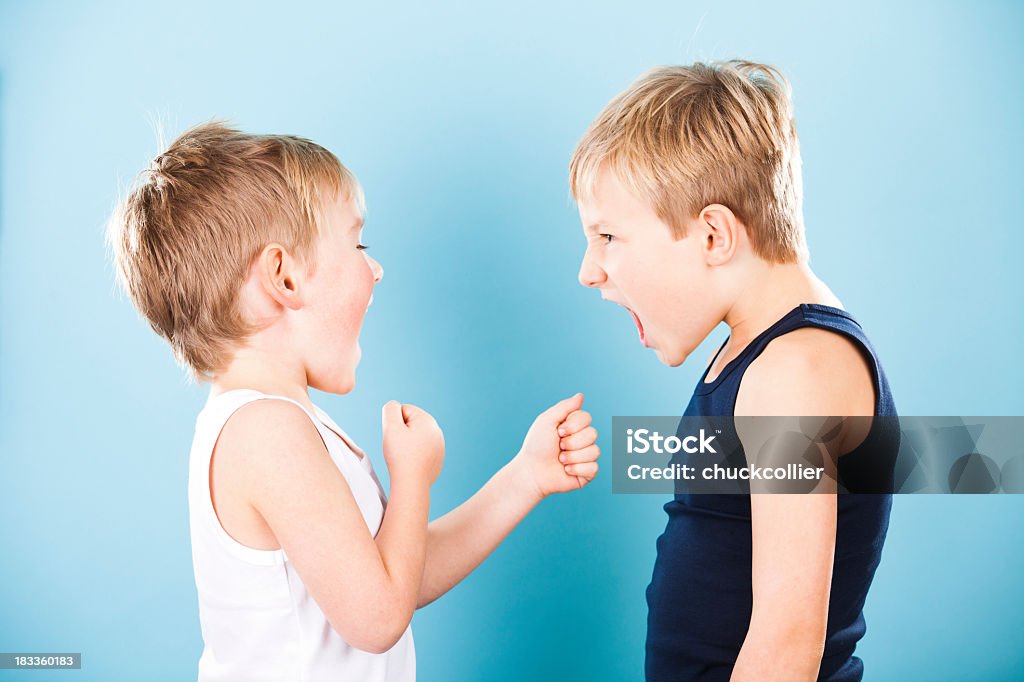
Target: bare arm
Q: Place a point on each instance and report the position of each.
(366, 587)
(460, 540)
(793, 545)
(794, 536)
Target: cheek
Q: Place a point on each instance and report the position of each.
(358, 289)
(668, 287)
(644, 283)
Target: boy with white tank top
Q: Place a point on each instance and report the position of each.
(242, 251)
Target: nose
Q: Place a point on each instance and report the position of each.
(376, 268)
(591, 274)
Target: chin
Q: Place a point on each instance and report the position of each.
(671, 359)
(347, 385)
(339, 385)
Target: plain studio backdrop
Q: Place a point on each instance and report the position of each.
(459, 120)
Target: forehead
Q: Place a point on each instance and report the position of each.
(343, 213)
(609, 201)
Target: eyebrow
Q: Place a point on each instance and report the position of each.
(594, 227)
(357, 224)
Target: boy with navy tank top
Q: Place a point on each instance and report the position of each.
(689, 191)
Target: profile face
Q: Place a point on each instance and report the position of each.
(340, 292)
(634, 260)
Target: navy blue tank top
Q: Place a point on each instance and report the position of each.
(700, 599)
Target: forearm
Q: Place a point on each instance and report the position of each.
(402, 543)
(786, 648)
(460, 540)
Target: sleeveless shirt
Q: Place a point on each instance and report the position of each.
(258, 620)
(700, 597)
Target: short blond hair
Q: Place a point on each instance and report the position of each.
(685, 137)
(186, 234)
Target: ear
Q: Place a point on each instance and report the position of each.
(720, 233)
(281, 276)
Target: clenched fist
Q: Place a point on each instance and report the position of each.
(413, 444)
(560, 450)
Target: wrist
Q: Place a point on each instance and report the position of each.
(409, 485)
(521, 482)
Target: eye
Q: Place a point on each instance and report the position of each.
(362, 247)
(607, 237)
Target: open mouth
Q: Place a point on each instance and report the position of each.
(636, 319)
(638, 323)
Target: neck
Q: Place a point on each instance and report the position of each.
(255, 368)
(768, 294)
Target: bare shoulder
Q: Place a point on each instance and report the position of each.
(259, 451)
(808, 371)
(258, 426)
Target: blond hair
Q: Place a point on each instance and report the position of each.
(685, 137)
(185, 236)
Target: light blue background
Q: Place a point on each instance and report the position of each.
(460, 120)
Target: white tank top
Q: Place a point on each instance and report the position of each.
(258, 621)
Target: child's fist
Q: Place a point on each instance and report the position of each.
(560, 450)
(413, 443)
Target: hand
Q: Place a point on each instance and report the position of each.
(413, 443)
(560, 450)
